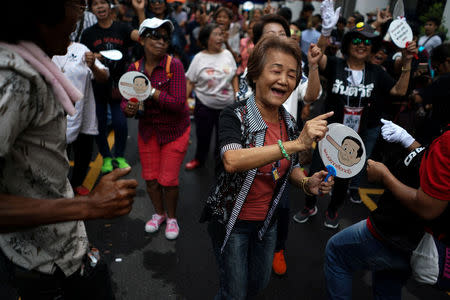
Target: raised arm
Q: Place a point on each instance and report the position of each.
(139, 9)
(330, 18)
(401, 87)
(314, 87)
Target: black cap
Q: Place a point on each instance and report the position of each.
(365, 30)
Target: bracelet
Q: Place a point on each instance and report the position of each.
(152, 92)
(303, 184)
(283, 151)
(406, 69)
(314, 68)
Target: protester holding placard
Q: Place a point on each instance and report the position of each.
(164, 127)
(356, 93)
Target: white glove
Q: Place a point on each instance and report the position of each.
(393, 133)
(330, 17)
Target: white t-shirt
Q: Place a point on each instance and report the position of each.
(212, 75)
(234, 38)
(432, 43)
(74, 67)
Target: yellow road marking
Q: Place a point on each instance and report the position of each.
(95, 166)
(364, 194)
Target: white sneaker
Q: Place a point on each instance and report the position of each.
(153, 224)
(172, 229)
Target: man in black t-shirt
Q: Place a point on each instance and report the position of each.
(108, 34)
(414, 198)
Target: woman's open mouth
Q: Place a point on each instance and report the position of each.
(278, 92)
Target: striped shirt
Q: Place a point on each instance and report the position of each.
(242, 126)
(167, 117)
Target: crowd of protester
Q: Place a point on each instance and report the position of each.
(266, 83)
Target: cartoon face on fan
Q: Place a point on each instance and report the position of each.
(350, 152)
(140, 84)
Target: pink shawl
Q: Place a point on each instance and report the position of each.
(63, 89)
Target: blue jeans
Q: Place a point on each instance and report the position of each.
(355, 248)
(369, 137)
(246, 262)
(119, 124)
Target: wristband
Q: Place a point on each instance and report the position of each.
(406, 69)
(283, 151)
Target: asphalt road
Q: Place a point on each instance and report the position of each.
(148, 266)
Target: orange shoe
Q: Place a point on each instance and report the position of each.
(279, 263)
(193, 164)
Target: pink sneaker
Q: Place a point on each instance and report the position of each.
(172, 229)
(153, 224)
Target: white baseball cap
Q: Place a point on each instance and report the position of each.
(155, 23)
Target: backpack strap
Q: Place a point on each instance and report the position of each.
(168, 62)
(139, 67)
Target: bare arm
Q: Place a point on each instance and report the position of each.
(134, 35)
(139, 9)
(401, 87)
(246, 159)
(189, 88)
(111, 198)
(100, 75)
(235, 84)
(414, 146)
(322, 43)
(415, 200)
(313, 89)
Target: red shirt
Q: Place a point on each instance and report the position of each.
(260, 196)
(435, 168)
(167, 117)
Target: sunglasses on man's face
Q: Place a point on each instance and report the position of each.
(155, 35)
(357, 41)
